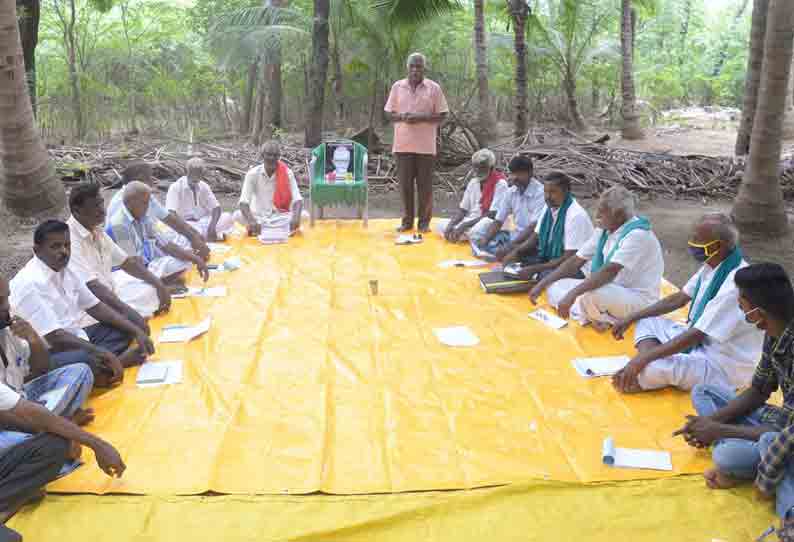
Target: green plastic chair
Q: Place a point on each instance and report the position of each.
(325, 192)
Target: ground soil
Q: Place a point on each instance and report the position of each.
(672, 218)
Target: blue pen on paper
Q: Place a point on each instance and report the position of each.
(176, 326)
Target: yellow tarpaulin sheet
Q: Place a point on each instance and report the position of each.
(679, 509)
(307, 382)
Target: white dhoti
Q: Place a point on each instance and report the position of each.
(166, 266)
(684, 370)
(274, 222)
(607, 304)
(477, 231)
(142, 297)
(224, 226)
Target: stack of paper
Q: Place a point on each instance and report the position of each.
(183, 333)
(273, 237)
(159, 373)
(408, 239)
(456, 336)
(196, 291)
(551, 320)
(603, 366)
(446, 264)
(218, 248)
(629, 458)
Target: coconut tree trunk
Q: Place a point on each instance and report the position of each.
(28, 184)
(753, 78)
(319, 73)
(29, 12)
(519, 12)
(275, 85)
(788, 116)
(631, 120)
(486, 122)
(248, 102)
(575, 117)
(759, 205)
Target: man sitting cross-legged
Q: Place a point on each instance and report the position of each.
(49, 295)
(482, 199)
(270, 199)
(716, 346)
(132, 290)
(523, 201)
(132, 230)
(563, 229)
(753, 439)
(624, 270)
(31, 460)
(192, 199)
(169, 225)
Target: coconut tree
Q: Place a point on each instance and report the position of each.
(481, 57)
(753, 78)
(29, 185)
(631, 120)
(519, 13)
(759, 205)
(319, 72)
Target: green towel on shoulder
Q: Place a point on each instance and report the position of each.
(599, 261)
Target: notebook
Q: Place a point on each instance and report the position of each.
(152, 373)
(179, 333)
(602, 366)
(630, 458)
(497, 282)
(173, 373)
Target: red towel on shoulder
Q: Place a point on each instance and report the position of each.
(486, 198)
(282, 196)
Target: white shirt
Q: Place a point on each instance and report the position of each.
(578, 227)
(259, 188)
(525, 207)
(94, 255)
(8, 397)
(731, 342)
(188, 204)
(50, 300)
(473, 194)
(639, 253)
(17, 352)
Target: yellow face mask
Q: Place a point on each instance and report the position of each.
(702, 253)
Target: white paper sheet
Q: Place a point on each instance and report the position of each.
(218, 248)
(173, 373)
(198, 291)
(601, 366)
(456, 336)
(408, 239)
(52, 398)
(273, 237)
(631, 458)
(446, 264)
(184, 333)
(551, 320)
(513, 269)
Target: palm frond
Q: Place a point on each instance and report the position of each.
(415, 11)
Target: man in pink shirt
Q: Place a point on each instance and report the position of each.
(417, 106)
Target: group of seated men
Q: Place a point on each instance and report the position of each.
(76, 315)
(610, 276)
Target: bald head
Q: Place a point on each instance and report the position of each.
(136, 199)
(271, 153)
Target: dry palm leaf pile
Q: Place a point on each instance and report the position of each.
(591, 165)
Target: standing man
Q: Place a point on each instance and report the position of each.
(417, 106)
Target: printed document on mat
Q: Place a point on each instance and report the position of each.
(199, 291)
(551, 320)
(602, 366)
(184, 333)
(153, 374)
(456, 336)
(629, 458)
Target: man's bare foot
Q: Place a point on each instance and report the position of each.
(131, 357)
(83, 416)
(716, 479)
(601, 327)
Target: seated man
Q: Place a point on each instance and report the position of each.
(624, 272)
(31, 463)
(523, 201)
(132, 290)
(270, 199)
(168, 223)
(26, 370)
(717, 346)
(563, 230)
(193, 200)
(482, 198)
(48, 294)
(135, 234)
(753, 439)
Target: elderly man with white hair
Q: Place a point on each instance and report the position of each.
(270, 201)
(192, 199)
(716, 346)
(481, 199)
(132, 230)
(624, 267)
